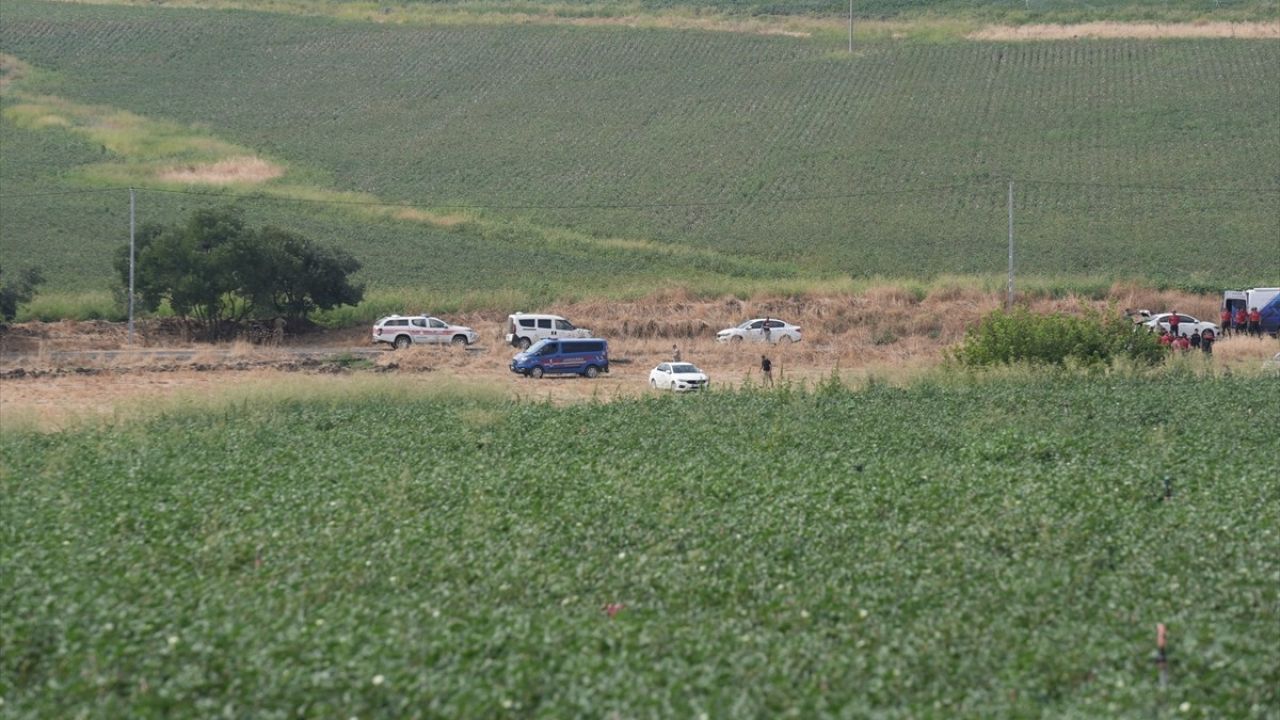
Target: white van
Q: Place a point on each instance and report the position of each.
(525, 329)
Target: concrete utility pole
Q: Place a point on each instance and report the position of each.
(132, 204)
(1009, 302)
(850, 27)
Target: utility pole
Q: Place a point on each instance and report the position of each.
(850, 27)
(132, 204)
(1009, 301)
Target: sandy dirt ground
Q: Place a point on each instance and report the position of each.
(888, 334)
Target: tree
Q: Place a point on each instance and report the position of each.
(18, 292)
(286, 274)
(214, 269)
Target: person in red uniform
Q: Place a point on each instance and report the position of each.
(1165, 338)
(1241, 321)
(1173, 324)
(1206, 341)
(1182, 343)
(1224, 319)
(1255, 322)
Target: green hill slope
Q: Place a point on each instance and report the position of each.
(603, 155)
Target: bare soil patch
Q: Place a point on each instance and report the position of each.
(1154, 31)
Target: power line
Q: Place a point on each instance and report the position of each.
(65, 192)
(581, 206)
(754, 200)
(1165, 188)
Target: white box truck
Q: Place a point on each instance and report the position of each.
(1267, 300)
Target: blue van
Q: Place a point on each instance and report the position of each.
(579, 356)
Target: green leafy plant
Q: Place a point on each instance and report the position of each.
(1091, 338)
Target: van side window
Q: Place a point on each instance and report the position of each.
(437, 323)
(397, 323)
(526, 322)
(544, 323)
(564, 325)
(549, 349)
(419, 322)
(583, 346)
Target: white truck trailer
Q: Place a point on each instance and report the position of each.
(1266, 300)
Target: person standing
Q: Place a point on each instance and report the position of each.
(1224, 320)
(1255, 322)
(1173, 324)
(277, 333)
(766, 330)
(1165, 338)
(675, 353)
(1196, 340)
(1182, 343)
(1241, 324)
(1206, 341)
(766, 370)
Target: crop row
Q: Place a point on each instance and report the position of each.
(1000, 548)
(773, 150)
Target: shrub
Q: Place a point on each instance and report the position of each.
(1022, 336)
(18, 291)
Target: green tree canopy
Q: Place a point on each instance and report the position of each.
(215, 268)
(19, 290)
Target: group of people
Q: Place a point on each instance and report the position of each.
(1241, 322)
(1197, 340)
(1202, 341)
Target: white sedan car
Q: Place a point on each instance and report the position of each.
(770, 330)
(1187, 325)
(402, 331)
(678, 376)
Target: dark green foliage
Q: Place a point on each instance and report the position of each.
(1001, 549)
(285, 273)
(1095, 338)
(215, 268)
(19, 290)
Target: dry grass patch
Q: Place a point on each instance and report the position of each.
(242, 169)
(1119, 30)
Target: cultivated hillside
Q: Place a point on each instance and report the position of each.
(549, 158)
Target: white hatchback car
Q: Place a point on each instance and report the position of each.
(402, 331)
(678, 376)
(770, 330)
(1187, 325)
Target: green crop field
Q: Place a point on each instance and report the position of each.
(547, 159)
(985, 548)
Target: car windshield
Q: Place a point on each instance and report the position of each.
(681, 368)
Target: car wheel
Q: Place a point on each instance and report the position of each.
(592, 372)
(735, 339)
(402, 342)
(523, 343)
(536, 372)
(459, 340)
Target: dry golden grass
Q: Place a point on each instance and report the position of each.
(889, 333)
(1155, 31)
(242, 169)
